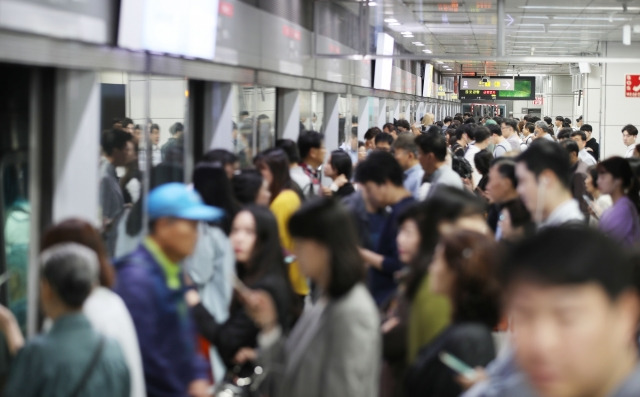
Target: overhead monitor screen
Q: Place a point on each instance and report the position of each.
(89, 21)
(181, 27)
(524, 89)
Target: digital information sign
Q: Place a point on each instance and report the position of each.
(523, 90)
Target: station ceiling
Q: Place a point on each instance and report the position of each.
(533, 28)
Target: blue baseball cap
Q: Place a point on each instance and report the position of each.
(176, 200)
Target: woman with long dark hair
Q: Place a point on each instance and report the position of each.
(273, 164)
(464, 270)
(339, 168)
(211, 266)
(620, 221)
(259, 265)
(334, 349)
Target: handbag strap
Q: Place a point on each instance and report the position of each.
(92, 364)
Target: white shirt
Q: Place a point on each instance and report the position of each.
(569, 211)
(586, 157)
(630, 149)
(108, 315)
(472, 150)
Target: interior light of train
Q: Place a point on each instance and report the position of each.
(390, 20)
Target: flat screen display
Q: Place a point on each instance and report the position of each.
(524, 90)
(181, 27)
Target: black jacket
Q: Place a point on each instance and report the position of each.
(239, 330)
(472, 343)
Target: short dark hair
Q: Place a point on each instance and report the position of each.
(494, 129)
(519, 214)
(581, 134)
(482, 161)
(384, 137)
(570, 146)
(379, 167)
(126, 121)
(211, 182)
(176, 127)
(246, 185)
(461, 166)
(220, 156)
(564, 133)
(404, 124)
(531, 127)
(154, 127)
(481, 134)
(389, 126)
(341, 163)
(586, 127)
(407, 143)
(543, 155)
(631, 129)
(511, 123)
(434, 129)
(290, 148)
(327, 222)
(448, 119)
(470, 120)
(114, 139)
(507, 168)
(372, 132)
(309, 140)
(548, 120)
(433, 143)
(560, 118)
(572, 255)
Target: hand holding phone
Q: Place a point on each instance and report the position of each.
(457, 365)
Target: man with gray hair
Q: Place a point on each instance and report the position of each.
(542, 130)
(405, 151)
(72, 359)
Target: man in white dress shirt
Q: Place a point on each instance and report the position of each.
(581, 139)
(629, 135)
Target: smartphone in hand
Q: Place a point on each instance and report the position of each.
(457, 365)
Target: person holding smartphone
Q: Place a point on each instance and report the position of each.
(463, 269)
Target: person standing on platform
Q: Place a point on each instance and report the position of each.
(629, 135)
(150, 284)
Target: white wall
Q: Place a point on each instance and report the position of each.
(557, 96)
(618, 110)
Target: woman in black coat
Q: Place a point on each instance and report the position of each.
(259, 265)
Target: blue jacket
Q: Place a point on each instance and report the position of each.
(382, 283)
(163, 324)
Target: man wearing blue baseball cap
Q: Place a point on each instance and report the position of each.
(149, 281)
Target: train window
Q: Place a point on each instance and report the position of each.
(14, 182)
(391, 110)
(311, 110)
(150, 110)
(373, 110)
(254, 114)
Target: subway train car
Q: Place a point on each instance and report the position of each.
(184, 78)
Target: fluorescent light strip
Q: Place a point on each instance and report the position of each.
(590, 8)
(390, 20)
(558, 17)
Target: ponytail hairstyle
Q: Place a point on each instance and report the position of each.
(619, 168)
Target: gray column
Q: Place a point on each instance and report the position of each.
(382, 113)
(330, 122)
(288, 108)
(218, 127)
(363, 116)
(77, 146)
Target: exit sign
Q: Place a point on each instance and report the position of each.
(632, 86)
